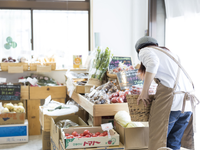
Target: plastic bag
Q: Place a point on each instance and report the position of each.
(99, 63)
(66, 123)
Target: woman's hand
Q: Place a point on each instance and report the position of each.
(144, 97)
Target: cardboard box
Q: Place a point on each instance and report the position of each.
(46, 145)
(55, 131)
(135, 137)
(17, 133)
(89, 142)
(120, 147)
(12, 118)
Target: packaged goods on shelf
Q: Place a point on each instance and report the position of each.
(41, 80)
(12, 113)
(54, 109)
(56, 130)
(88, 137)
(120, 68)
(99, 65)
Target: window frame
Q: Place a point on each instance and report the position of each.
(44, 5)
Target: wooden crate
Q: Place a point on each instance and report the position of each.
(45, 120)
(33, 115)
(24, 92)
(44, 91)
(138, 112)
(82, 88)
(4, 65)
(97, 111)
(33, 66)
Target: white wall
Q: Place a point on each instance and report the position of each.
(120, 24)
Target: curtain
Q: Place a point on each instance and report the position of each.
(182, 37)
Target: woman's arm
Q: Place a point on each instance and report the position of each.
(144, 96)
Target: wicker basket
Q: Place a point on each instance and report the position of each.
(138, 112)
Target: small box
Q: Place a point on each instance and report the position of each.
(89, 142)
(55, 131)
(134, 137)
(17, 133)
(46, 145)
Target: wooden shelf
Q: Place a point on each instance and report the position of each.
(98, 110)
(80, 69)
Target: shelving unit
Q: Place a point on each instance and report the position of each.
(98, 110)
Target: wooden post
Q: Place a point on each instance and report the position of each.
(97, 121)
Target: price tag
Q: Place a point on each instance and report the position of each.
(22, 80)
(2, 80)
(107, 127)
(47, 100)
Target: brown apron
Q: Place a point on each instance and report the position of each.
(160, 112)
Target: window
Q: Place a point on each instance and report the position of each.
(43, 29)
(15, 33)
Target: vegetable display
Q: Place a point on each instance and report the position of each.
(85, 134)
(100, 63)
(124, 119)
(12, 108)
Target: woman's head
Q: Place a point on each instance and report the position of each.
(144, 42)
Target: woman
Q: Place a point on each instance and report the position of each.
(171, 110)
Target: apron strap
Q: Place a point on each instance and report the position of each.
(177, 76)
(160, 49)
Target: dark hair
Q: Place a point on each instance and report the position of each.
(142, 69)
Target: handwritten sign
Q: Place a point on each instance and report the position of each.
(10, 92)
(127, 60)
(128, 78)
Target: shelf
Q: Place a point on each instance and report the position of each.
(80, 69)
(98, 110)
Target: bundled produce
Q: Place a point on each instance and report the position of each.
(137, 89)
(100, 63)
(66, 123)
(10, 59)
(100, 94)
(119, 96)
(124, 119)
(42, 80)
(85, 134)
(121, 67)
(9, 107)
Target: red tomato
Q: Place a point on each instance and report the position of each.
(105, 133)
(81, 134)
(68, 137)
(100, 136)
(114, 100)
(98, 133)
(127, 92)
(91, 134)
(74, 133)
(67, 134)
(88, 135)
(71, 136)
(86, 132)
(122, 96)
(94, 135)
(119, 100)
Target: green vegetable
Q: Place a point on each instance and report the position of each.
(101, 63)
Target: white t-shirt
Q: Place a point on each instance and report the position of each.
(166, 70)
